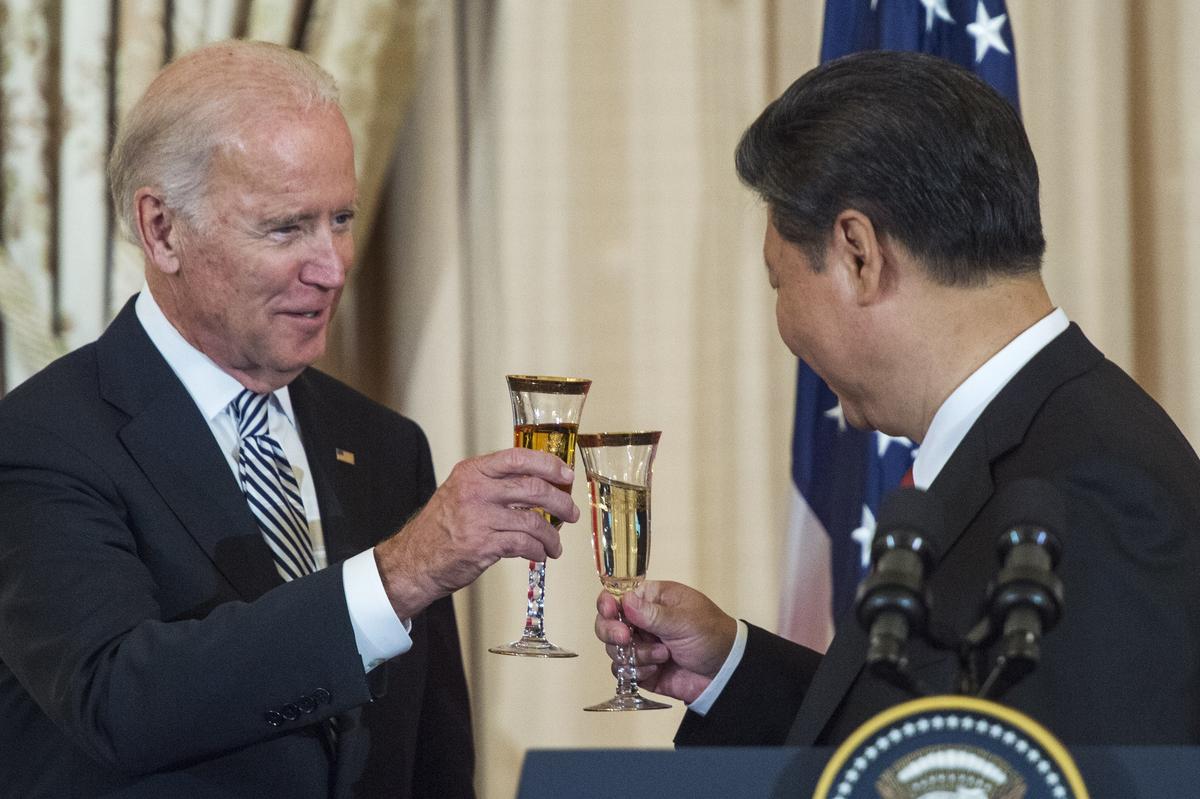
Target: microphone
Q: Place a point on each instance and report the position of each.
(1025, 600)
(893, 603)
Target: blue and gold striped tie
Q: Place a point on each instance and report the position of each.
(271, 489)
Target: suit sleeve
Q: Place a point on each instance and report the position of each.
(82, 629)
(1127, 642)
(760, 701)
(445, 758)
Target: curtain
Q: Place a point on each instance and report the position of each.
(557, 195)
(564, 201)
(73, 68)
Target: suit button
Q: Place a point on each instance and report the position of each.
(290, 712)
(307, 704)
(322, 696)
(274, 718)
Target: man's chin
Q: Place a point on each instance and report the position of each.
(302, 353)
(287, 367)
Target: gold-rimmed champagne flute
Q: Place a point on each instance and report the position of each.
(546, 414)
(618, 469)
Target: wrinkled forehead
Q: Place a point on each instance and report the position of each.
(284, 131)
(286, 155)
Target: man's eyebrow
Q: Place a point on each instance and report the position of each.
(288, 219)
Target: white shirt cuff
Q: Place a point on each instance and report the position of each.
(704, 702)
(378, 631)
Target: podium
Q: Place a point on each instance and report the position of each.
(1124, 772)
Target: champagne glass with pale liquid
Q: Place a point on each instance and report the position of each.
(618, 474)
(545, 416)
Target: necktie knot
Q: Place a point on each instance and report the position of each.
(250, 413)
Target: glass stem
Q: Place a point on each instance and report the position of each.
(626, 663)
(535, 610)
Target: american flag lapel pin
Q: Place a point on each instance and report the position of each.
(344, 455)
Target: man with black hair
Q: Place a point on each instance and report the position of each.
(904, 244)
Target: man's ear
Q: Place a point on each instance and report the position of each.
(157, 230)
(856, 250)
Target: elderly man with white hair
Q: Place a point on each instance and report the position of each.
(223, 572)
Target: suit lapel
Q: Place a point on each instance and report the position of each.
(332, 479)
(174, 447)
(965, 484)
(838, 671)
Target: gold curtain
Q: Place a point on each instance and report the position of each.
(564, 200)
(72, 68)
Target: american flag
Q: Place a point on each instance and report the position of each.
(840, 474)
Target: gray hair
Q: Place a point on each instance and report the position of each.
(196, 105)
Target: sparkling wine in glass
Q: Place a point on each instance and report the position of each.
(546, 417)
(618, 474)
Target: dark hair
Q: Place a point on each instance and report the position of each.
(935, 157)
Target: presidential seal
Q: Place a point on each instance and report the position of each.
(951, 747)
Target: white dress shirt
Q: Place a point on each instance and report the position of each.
(378, 632)
(950, 424)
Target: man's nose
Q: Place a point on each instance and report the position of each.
(328, 260)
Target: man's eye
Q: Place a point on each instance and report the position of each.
(285, 230)
(343, 219)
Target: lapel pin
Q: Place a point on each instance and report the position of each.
(344, 455)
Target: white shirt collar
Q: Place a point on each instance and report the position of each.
(967, 402)
(211, 387)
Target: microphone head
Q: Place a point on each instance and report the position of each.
(1032, 511)
(910, 514)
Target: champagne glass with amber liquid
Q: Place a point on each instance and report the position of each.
(545, 416)
(618, 475)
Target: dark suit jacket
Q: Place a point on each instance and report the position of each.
(144, 632)
(1123, 664)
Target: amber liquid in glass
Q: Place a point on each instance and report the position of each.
(557, 439)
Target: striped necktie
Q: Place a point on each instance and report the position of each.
(271, 489)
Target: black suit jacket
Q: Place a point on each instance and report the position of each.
(1123, 664)
(145, 634)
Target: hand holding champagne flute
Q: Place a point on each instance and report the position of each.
(546, 414)
(618, 471)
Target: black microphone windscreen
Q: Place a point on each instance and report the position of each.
(911, 509)
(1031, 501)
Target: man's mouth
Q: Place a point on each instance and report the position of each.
(305, 314)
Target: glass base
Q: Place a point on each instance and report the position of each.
(533, 648)
(630, 702)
